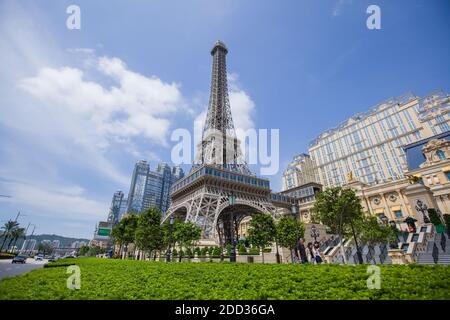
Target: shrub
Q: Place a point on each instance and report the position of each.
(5, 255)
(203, 251)
(242, 249)
(216, 252)
(229, 247)
(434, 216)
(126, 279)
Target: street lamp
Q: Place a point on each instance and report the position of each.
(358, 250)
(314, 233)
(232, 200)
(171, 221)
(19, 214)
(32, 233)
(422, 207)
(293, 214)
(221, 236)
(294, 210)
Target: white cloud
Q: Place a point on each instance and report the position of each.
(70, 121)
(242, 106)
(60, 202)
(138, 105)
(339, 5)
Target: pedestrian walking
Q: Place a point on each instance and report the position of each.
(302, 251)
(317, 255)
(310, 252)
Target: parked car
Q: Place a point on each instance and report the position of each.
(39, 257)
(19, 259)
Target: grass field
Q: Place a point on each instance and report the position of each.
(127, 279)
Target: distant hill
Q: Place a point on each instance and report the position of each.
(63, 241)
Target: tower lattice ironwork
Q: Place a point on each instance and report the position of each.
(219, 145)
(220, 190)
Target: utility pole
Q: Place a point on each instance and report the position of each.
(34, 227)
(17, 217)
(26, 231)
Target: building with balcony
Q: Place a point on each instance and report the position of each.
(369, 146)
(425, 185)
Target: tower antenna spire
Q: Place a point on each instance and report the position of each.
(219, 145)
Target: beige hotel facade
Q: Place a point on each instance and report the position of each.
(368, 152)
(370, 144)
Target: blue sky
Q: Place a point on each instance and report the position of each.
(79, 107)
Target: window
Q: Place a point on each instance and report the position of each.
(447, 174)
(440, 154)
(398, 214)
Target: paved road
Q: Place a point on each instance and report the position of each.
(8, 269)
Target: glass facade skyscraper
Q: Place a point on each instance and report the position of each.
(151, 189)
(118, 207)
(137, 187)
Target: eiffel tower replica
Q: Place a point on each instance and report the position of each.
(220, 190)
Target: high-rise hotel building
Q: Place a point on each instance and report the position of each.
(300, 171)
(368, 146)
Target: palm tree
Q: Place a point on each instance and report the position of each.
(8, 227)
(16, 234)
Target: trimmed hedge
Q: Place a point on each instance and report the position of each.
(6, 255)
(125, 279)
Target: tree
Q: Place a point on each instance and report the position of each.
(185, 233)
(124, 232)
(262, 231)
(16, 234)
(338, 208)
(93, 251)
(371, 231)
(8, 228)
(288, 231)
(149, 234)
(117, 235)
(83, 251)
(45, 248)
(434, 217)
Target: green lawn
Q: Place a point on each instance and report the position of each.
(126, 279)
